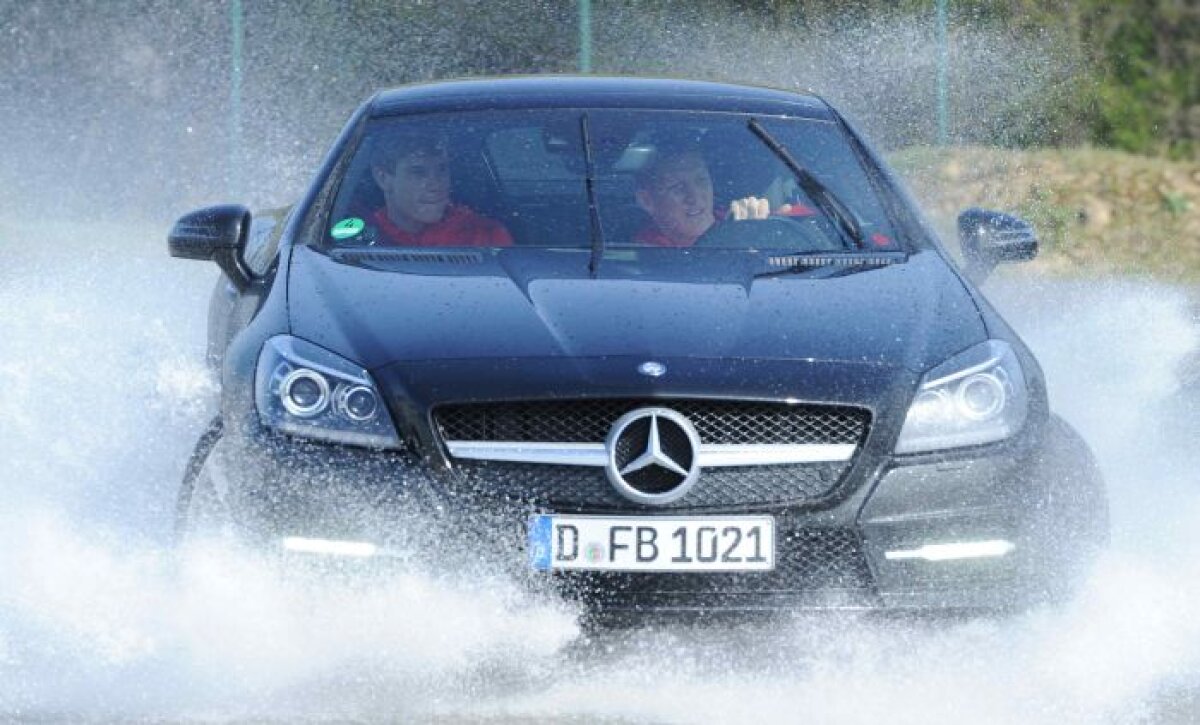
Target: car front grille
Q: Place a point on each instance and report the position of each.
(584, 489)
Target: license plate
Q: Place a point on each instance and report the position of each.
(618, 543)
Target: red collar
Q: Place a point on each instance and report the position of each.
(394, 234)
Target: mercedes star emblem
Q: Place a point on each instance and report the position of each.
(653, 456)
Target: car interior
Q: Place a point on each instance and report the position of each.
(531, 176)
(533, 180)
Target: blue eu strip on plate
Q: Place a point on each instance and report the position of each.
(539, 542)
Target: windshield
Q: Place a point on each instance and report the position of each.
(667, 179)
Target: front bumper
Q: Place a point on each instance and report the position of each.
(1044, 502)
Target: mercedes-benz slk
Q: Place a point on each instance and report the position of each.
(809, 404)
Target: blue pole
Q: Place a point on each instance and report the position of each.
(585, 36)
(943, 73)
(235, 99)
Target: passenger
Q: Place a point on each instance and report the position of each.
(413, 172)
(676, 189)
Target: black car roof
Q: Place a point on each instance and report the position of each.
(594, 92)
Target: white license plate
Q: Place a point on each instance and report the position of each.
(623, 543)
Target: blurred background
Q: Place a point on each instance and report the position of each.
(1083, 115)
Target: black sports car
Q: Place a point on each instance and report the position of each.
(654, 345)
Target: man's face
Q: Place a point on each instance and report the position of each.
(680, 197)
(417, 191)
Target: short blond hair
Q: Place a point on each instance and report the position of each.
(648, 174)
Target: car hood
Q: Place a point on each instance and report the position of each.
(378, 308)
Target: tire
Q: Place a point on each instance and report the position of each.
(1074, 525)
(199, 511)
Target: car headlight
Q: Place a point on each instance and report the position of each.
(308, 391)
(977, 396)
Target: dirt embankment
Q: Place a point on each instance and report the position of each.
(1096, 211)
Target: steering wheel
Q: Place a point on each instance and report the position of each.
(775, 232)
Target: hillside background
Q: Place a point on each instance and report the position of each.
(1083, 115)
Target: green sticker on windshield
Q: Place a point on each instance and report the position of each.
(347, 228)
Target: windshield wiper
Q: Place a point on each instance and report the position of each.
(593, 212)
(820, 194)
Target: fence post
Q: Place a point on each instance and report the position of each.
(235, 100)
(943, 121)
(585, 36)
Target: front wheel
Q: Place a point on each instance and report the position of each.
(200, 513)
(1072, 523)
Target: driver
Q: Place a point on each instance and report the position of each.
(413, 172)
(676, 189)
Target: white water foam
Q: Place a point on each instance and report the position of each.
(102, 394)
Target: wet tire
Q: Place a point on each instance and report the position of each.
(1073, 525)
(199, 511)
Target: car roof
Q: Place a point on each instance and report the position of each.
(555, 91)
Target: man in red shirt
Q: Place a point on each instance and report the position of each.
(676, 189)
(413, 171)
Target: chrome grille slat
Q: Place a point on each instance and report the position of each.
(594, 454)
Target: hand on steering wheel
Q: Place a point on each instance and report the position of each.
(785, 229)
(751, 207)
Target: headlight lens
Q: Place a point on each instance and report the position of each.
(308, 391)
(358, 403)
(304, 393)
(978, 396)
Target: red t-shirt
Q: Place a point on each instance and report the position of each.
(459, 227)
(651, 235)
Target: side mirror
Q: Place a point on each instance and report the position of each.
(218, 234)
(991, 237)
